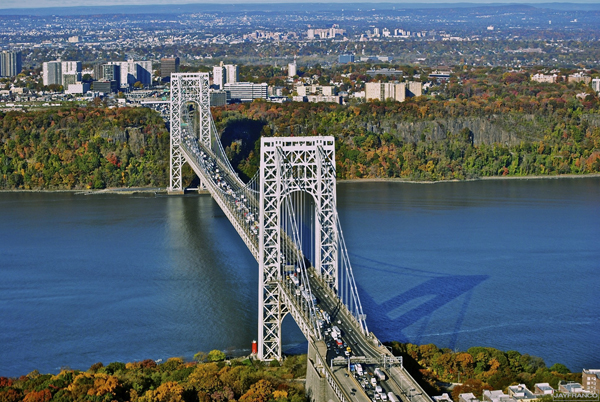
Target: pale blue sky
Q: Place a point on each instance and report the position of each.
(74, 3)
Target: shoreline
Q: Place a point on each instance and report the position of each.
(162, 190)
(400, 180)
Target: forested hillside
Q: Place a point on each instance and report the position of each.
(427, 139)
(83, 148)
(482, 123)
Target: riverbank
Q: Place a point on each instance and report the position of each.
(400, 180)
(162, 190)
(115, 190)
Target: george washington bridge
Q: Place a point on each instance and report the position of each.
(287, 217)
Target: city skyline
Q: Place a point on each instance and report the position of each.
(33, 4)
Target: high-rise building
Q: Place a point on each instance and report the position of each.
(132, 71)
(112, 72)
(98, 71)
(292, 69)
(382, 91)
(10, 64)
(144, 72)
(71, 67)
(52, 73)
(169, 65)
(219, 76)
(232, 73)
(415, 88)
(596, 84)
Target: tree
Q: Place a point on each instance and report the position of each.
(259, 392)
(201, 357)
(216, 356)
(560, 368)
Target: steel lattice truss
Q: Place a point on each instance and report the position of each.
(289, 165)
(187, 88)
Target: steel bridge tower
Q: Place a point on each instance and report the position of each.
(187, 89)
(289, 165)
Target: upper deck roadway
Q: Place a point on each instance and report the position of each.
(398, 381)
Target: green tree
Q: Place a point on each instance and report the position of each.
(216, 356)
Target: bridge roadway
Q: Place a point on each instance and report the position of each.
(398, 380)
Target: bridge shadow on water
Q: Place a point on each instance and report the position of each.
(414, 308)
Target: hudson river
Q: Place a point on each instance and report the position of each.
(510, 264)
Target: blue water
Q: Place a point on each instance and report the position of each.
(507, 264)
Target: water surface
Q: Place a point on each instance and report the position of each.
(507, 264)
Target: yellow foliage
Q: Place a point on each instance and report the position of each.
(280, 394)
(168, 392)
(104, 384)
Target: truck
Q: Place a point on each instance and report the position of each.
(335, 330)
(392, 397)
(380, 374)
(295, 280)
(359, 369)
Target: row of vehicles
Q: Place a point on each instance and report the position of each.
(238, 198)
(372, 383)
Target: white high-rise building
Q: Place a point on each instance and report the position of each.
(219, 75)
(52, 73)
(232, 73)
(132, 71)
(596, 84)
(71, 67)
(292, 69)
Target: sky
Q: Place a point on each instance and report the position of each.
(75, 3)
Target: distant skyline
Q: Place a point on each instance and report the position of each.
(7, 4)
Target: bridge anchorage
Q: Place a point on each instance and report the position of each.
(287, 217)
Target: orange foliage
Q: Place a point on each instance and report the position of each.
(38, 396)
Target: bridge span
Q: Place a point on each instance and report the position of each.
(287, 217)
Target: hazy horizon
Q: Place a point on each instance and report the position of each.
(33, 4)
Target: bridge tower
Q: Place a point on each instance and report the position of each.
(187, 89)
(288, 165)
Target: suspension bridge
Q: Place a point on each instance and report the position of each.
(287, 217)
